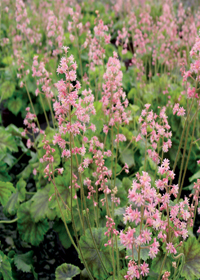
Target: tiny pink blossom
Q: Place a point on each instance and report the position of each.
(34, 171)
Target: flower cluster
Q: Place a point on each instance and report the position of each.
(67, 99)
(114, 99)
(122, 39)
(43, 78)
(55, 32)
(75, 27)
(156, 131)
(150, 208)
(111, 231)
(31, 127)
(96, 44)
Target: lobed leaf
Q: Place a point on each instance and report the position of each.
(18, 196)
(90, 254)
(191, 267)
(6, 189)
(157, 263)
(40, 205)
(29, 230)
(5, 267)
(62, 185)
(15, 105)
(66, 271)
(24, 261)
(62, 233)
(7, 89)
(7, 141)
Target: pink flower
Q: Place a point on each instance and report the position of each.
(144, 269)
(60, 170)
(34, 171)
(138, 138)
(92, 127)
(28, 143)
(146, 234)
(170, 248)
(120, 137)
(127, 238)
(105, 129)
(154, 249)
(126, 168)
(133, 271)
(181, 111)
(66, 153)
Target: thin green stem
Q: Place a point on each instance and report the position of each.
(162, 266)
(141, 222)
(45, 114)
(65, 224)
(52, 115)
(9, 221)
(188, 157)
(181, 266)
(181, 140)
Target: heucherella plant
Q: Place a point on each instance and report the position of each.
(107, 163)
(154, 216)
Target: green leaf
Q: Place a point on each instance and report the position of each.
(127, 133)
(24, 261)
(7, 60)
(134, 108)
(144, 254)
(62, 233)
(157, 263)
(40, 205)
(152, 275)
(4, 176)
(195, 176)
(17, 197)
(97, 119)
(90, 254)
(9, 159)
(25, 174)
(29, 230)
(7, 89)
(6, 189)
(109, 49)
(131, 95)
(62, 184)
(127, 183)
(14, 130)
(120, 211)
(84, 220)
(128, 157)
(15, 105)
(191, 267)
(7, 141)
(152, 164)
(66, 271)
(5, 267)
